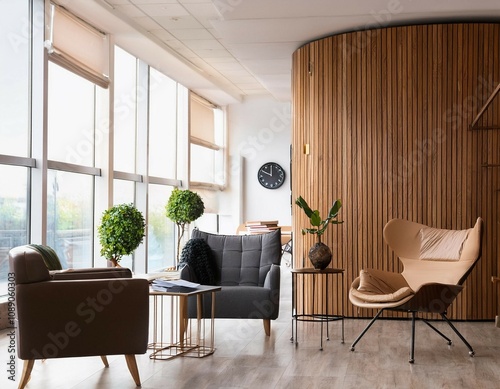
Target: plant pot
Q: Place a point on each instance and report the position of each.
(320, 255)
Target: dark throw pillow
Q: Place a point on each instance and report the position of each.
(198, 255)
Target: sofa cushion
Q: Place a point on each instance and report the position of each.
(239, 302)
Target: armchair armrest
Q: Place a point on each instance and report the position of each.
(82, 317)
(91, 273)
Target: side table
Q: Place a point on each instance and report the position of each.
(182, 336)
(319, 307)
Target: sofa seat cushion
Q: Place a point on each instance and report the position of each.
(245, 302)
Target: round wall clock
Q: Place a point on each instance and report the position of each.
(271, 175)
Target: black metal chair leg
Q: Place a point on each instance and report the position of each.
(471, 351)
(412, 347)
(366, 329)
(439, 332)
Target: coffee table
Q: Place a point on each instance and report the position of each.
(177, 335)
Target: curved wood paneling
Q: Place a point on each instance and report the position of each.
(386, 115)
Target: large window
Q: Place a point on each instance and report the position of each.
(15, 164)
(67, 152)
(71, 117)
(125, 111)
(162, 125)
(145, 152)
(207, 139)
(72, 108)
(70, 220)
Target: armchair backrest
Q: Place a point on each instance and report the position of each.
(243, 259)
(28, 265)
(434, 255)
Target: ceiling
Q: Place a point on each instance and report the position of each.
(236, 48)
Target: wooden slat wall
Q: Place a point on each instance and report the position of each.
(386, 115)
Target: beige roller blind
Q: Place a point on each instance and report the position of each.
(202, 119)
(77, 46)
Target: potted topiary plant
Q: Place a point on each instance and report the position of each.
(121, 231)
(183, 207)
(320, 254)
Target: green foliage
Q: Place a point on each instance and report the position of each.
(184, 206)
(121, 231)
(315, 219)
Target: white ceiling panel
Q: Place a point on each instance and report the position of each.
(203, 44)
(177, 22)
(191, 33)
(245, 51)
(245, 47)
(156, 10)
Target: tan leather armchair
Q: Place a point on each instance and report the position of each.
(436, 264)
(83, 312)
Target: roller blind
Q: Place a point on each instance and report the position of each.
(202, 119)
(77, 46)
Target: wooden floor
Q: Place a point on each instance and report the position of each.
(246, 358)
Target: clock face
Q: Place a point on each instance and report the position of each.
(271, 175)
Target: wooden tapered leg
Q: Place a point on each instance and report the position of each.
(28, 366)
(183, 318)
(267, 326)
(132, 367)
(105, 360)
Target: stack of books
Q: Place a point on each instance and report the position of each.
(261, 226)
(182, 286)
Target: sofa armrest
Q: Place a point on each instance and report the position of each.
(91, 273)
(272, 280)
(187, 274)
(82, 317)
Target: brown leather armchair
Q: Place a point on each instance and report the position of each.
(81, 312)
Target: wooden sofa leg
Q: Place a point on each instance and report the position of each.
(28, 366)
(104, 359)
(267, 326)
(132, 367)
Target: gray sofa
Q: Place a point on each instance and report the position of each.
(248, 270)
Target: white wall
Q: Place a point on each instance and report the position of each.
(259, 131)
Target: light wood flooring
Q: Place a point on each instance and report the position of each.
(246, 358)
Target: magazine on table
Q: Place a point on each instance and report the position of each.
(162, 285)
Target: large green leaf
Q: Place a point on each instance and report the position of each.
(316, 219)
(303, 204)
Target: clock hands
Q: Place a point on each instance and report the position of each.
(270, 173)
